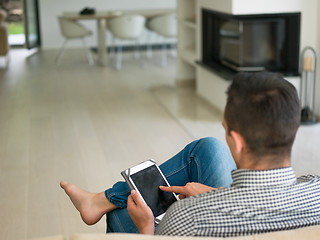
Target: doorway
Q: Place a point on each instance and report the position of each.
(14, 10)
(23, 19)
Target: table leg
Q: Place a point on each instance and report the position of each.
(102, 46)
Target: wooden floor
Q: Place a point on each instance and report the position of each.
(85, 125)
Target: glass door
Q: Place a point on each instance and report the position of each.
(31, 23)
(14, 10)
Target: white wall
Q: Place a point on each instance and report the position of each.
(50, 9)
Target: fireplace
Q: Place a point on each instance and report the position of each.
(232, 43)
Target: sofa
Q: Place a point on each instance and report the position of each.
(309, 233)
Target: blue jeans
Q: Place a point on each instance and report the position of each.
(207, 161)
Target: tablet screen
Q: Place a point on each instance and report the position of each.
(147, 182)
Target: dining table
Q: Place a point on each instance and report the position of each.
(101, 17)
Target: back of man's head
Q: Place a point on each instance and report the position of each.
(264, 109)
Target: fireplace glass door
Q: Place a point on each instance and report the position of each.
(252, 42)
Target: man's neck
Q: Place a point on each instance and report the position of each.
(263, 163)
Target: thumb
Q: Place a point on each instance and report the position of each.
(136, 198)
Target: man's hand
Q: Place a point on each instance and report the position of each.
(140, 214)
(190, 189)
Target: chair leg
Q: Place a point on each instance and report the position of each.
(137, 49)
(149, 51)
(61, 52)
(164, 55)
(89, 56)
(119, 58)
(113, 45)
(149, 45)
(173, 51)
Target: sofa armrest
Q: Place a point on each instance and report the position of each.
(310, 233)
(131, 236)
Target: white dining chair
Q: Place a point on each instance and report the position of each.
(73, 30)
(165, 26)
(126, 27)
(151, 36)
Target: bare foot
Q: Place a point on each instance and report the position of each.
(92, 206)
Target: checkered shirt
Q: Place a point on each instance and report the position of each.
(256, 202)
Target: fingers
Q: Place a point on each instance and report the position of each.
(134, 201)
(190, 189)
(174, 189)
(130, 203)
(181, 196)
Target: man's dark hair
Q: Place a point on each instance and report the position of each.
(265, 109)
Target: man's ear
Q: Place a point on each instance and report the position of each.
(239, 142)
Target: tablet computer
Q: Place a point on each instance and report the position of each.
(146, 178)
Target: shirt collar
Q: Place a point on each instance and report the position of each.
(252, 178)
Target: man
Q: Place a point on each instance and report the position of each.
(261, 118)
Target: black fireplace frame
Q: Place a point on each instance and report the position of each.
(211, 44)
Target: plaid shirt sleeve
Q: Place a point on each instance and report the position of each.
(177, 214)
